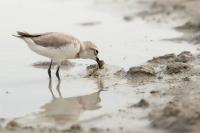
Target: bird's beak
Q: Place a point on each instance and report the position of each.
(98, 62)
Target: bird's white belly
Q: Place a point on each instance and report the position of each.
(59, 54)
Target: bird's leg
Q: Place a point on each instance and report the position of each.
(58, 88)
(50, 88)
(49, 69)
(57, 73)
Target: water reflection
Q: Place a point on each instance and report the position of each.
(62, 110)
(57, 88)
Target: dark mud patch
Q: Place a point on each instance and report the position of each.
(157, 9)
(191, 33)
(128, 18)
(189, 26)
(154, 92)
(90, 23)
(96, 130)
(177, 67)
(74, 128)
(94, 70)
(141, 104)
(12, 125)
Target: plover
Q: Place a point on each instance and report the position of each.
(59, 47)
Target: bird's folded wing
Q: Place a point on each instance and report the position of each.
(51, 39)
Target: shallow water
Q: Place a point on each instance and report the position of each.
(25, 89)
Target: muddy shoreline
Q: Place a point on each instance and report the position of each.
(173, 77)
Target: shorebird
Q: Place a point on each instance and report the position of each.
(59, 47)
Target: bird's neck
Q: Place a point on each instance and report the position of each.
(82, 48)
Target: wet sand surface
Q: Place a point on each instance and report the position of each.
(148, 83)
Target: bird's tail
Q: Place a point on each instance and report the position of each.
(20, 34)
(24, 34)
(21, 37)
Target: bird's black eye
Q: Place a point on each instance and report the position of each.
(96, 52)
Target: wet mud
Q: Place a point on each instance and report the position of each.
(178, 89)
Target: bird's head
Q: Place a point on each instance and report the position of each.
(90, 51)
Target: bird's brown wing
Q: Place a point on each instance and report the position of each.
(51, 39)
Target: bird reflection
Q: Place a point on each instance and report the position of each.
(57, 88)
(62, 110)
